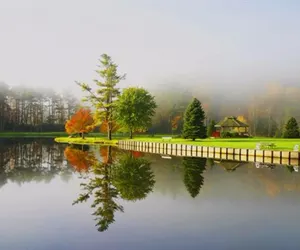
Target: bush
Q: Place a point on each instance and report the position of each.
(233, 135)
(226, 135)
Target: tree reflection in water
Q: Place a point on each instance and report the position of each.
(27, 160)
(79, 158)
(112, 179)
(133, 177)
(193, 169)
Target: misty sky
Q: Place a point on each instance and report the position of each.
(220, 43)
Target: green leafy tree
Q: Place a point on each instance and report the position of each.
(193, 169)
(193, 126)
(104, 97)
(211, 128)
(134, 109)
(291, 129)
(133, 177)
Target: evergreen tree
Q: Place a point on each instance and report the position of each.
(104, 98)
(211, 128)
(193, 169)
(291, 129)
(193, 126)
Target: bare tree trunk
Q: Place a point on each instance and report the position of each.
(109, 132)
(130, 133)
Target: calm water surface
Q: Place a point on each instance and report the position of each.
(56, 196)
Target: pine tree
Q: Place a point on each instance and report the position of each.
(291, 129)
(194, 116)
(104, 98)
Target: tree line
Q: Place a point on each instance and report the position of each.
(136, 110)
(30, 109)
(265, 110)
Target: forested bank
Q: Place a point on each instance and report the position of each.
(27, 109)
(266, 110)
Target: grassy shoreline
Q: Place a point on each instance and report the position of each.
(87, 140)
(98, 138)
(243, 143)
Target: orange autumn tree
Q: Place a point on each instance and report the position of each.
(80, 123)
(175, 121)
(79, 159)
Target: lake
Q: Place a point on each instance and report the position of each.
(56, 196)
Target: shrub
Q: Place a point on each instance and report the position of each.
(233, 135)
(226, 135)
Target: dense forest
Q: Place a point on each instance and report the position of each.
(266, 109)
(30, 109)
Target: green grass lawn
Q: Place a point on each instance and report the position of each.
(248, 143)
(98, 138)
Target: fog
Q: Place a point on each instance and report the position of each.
(226, 53)
(202, 44)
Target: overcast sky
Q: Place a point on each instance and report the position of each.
(224, 43)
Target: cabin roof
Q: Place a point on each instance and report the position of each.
(231, 121)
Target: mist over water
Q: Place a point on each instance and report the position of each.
(239, 59)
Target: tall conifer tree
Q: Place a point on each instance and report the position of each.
(103, 99)
(193, 126)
